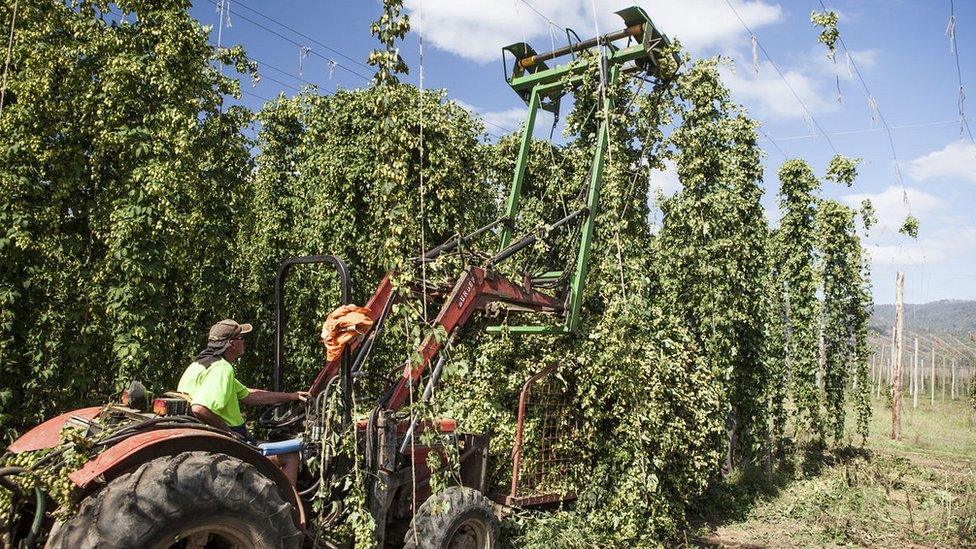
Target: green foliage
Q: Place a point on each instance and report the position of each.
(797, 245)
(711, 251)
(118, 169)
(390, 27)
(868, 216)
(910, 226)
(48, 469)
(845, 313)
(827, 20)
(331, 180)
(842, 170)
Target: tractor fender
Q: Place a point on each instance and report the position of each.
(48, 434)
(144, 447)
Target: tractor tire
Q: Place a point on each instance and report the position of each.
(457, 518)
(193, 499)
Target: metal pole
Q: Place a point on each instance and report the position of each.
(523, 159)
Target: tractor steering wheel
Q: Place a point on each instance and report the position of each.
(281, 415)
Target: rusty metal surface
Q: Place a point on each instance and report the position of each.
(541, 499)
(48, 434)
(541, 463)
(138, 449)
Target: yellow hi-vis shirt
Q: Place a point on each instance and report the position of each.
(216, 388)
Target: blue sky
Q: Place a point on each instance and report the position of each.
(900, 48)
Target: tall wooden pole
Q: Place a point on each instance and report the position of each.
(874, 359)
(953, 393)
(896, 363)
(932, 377)
(914, 390)
(891, 362)
(945, 374)
(881, 365)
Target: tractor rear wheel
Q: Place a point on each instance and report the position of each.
(457, 518)
(193, 499)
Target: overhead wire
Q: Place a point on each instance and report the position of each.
(872, 130)
(872, 101)
(300, 45)
(757, 43)
(951, 32)
(806, 111)
(423, 264)
(539, 13)
(280, 70)
(773, 141)
(305, 36)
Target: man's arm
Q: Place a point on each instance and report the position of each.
(205, 415)
(260, 397)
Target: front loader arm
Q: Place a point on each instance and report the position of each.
(475, 290)
(376, 305)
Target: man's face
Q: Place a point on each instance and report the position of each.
(235, 350)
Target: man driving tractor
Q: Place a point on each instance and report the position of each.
(216, 394)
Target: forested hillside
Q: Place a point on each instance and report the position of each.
(947, 315)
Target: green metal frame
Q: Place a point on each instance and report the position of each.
(539, 83)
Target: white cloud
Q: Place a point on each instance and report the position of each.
(477, 29)
(957, 160)
(911, 253)
(507, 120)
(865, 60)
(771, 96)
(665, 180)
(946, 244)
(890, 205)
(510, 119)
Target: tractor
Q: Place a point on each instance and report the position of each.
(158, 477)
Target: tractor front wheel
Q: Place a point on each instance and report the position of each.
(193, 499)
(457, 518)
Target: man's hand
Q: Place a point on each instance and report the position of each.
(301, 396)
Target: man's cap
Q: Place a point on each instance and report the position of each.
(228, 329)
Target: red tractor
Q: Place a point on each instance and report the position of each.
(161, 478)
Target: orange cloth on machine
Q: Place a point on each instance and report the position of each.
(342, 326)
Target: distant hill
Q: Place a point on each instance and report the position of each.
(947, 315)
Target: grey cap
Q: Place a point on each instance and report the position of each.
(228, 329)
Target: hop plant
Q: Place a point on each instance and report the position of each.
(910, 226)
(828, 36)
(868, 216)
(842, 170)
(390, 27)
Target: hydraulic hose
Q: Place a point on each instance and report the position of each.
(38, 506)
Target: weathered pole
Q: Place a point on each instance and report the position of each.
(881, 368)
(932, 377)
(915, 377)
(896, 363)
(945, 374)
(953, 393)
(891, 361)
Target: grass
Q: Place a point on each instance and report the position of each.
(916, 492)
